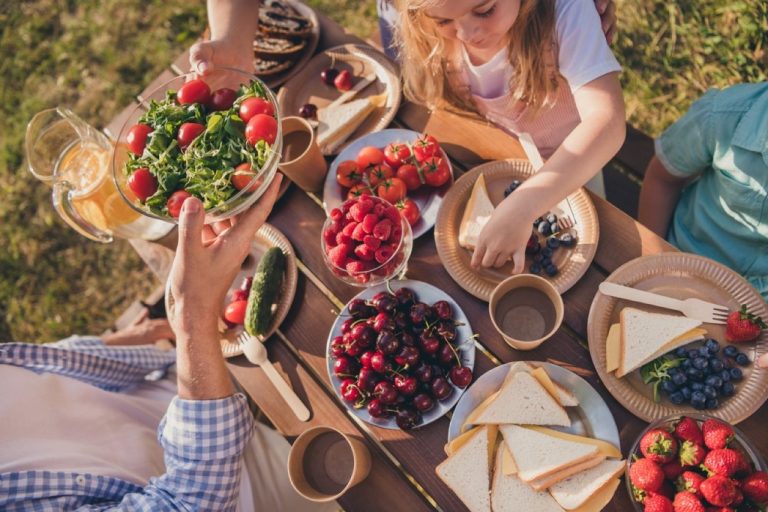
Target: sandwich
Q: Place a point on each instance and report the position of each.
(510, 494)
(467, 469)
(476, 215)
(576, 490)
(337, 123)
(645, 336)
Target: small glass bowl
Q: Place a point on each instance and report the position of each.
(240, 201)
(395, 265)
(668, 423)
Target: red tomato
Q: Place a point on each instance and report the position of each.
(359, 190)
(253, 106)
(347, 174)
(235, 312)
(410, 175)
(396, 154)
(187, 133)
(137, 138)
(261, 127)
(194, 91)
(242, 177)
(222, 99)
(175, 201)
(435, 171)
(392, 190)
(424, 147)
(409, 210)
(142, 183)
(368, 157)
(379, 173)
(343, 80)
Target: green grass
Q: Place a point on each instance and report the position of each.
(95, 56)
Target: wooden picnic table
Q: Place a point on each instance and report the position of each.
(403, 473)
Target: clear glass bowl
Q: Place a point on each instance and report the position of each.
(395, 265)
(243, 199)
(741, 443)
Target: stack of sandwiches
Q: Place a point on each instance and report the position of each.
(641, 337)
(530, 466)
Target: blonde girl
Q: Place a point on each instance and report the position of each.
(541, 67)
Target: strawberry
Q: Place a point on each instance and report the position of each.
(369, 222)
(646, 475)
(691, 454)
(725, 462)
(687, 502)
(743, 326)
(718, 490)
(689, 481)
(666, 490)
(383, 254)
(383, 229)
(372, 242)
(688, 430)
(672, 469)
(657, 503)
(755, 487)
(720, 509)
(658, 445)
(716, 434)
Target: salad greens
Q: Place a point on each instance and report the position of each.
(657, 371)
(205, 168)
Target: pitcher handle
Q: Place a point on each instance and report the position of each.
(62, 203)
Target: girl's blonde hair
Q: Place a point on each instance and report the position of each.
(424, 56)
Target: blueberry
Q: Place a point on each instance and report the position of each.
(538, 257)
(728, 389)
(736, 374)
(537, 222)
(679, 379)
(554, 228)
(545, 262)
(714, 381)
(698, 400)
(681, 352)
(730, 351)
(710, 392)
(725, 374)
(553, 243)
(703, 351)
(742, 359)
(712, 403)
(686, 391)
(551, 218)
(700, 363)
(551, 270)
(535, 268)
(668, 386)
(686, 363)
(694, 374)
(715, 364)
(543, 228)
(547, 252)
(712, 345)
(511, 188)
(697, 386)
(567, 240)
(677, 398)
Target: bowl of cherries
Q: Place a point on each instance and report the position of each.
(401, 354)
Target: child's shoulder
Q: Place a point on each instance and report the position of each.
(738, 98)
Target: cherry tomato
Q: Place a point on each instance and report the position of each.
(142, 183)
(435, 171)
(379, 173)
(222, 99)
(396, 154)
(368, 157)
(242, 177)
(424, 147)
(235, 312)
(187, 133)
(409, 210)
(137, 138)
(359, 190)
(261, 127)
(253, 106)
(392, 190)
(194, 91)
(347, 174)
(410, 175)
(175, 201)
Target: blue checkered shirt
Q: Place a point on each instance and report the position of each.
(203, 440)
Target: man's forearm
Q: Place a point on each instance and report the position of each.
(200, 368)
(233, 19)
(658, 198)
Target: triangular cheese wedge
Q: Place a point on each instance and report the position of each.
(510, 494)
(575, 490)
(613, 348)
(523, 400)
(467, 470)
(337, 123)
(605, 447)
(645, 336)
(539, 455)
(477, 213)
(508, 465)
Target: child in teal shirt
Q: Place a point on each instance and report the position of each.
(706, 189)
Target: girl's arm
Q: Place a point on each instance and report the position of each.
(658, 197)
(594, 141)
(233, 25)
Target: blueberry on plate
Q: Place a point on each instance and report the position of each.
(730, 351)
(553, 243)
(728, 389)
(551, 270)
(681, 352)
(699, 363)
(725, 374)
(694, 374)
(543, 228)
(686, 391)
(698, 400)
(712, 345)
(551, 218)
(677, 398)
(554, 228)
(714, 381)
(679, 379)
(538, 257)
(736, 374)
(697, 386)
(715, 364)
(535, 268)
(742, 359)
(545, 262)
(710, 392)
(547, 252)
(567, 240)
(537, 222)
(668, 386)
(686, 363)
(704, 351)
(712, 403)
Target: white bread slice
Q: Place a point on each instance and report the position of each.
(645, 336)
(477, 213)
(598, 501)
(538, 455)
(337, 123)
(545, 482)
(609, 450)
(467, 470)
(523, 400)
(510, 494)
(559, 393)
(575, 490)
(518, 366)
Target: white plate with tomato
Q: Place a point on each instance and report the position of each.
(404, 167)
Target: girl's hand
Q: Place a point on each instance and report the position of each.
(608, 19)
(502, 238)
(205, 56)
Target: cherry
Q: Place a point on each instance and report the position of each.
(354, 349)
(428, 343)
(419, 313)
(423, 402)
(363, 335)
(344, 366)
(386, 392)
(367, 379)
(407, 356)
(351, 393)
(379, 362)
(532, 246)
(405, 297)
(359, 309)
(383, 321)
(401, 320)
(440, 388)
(239, 295)
(445, 355)
(461, 376)
(406, 385)
(407, 339)
(376, 408)
(407, 418)
(328, 75)
(365, 359)
(446, 329)
(384, 302)
(443, 310)
(338, 346)
(346, 326)
(424, 373)
(387, 343)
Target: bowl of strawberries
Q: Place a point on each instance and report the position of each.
(695, 463)
(366, 241)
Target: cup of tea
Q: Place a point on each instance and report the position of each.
(301, 159)
(324, 463)
(526, 310)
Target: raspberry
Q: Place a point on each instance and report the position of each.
(392, 214)
(369, 222)
(372, 242)
(379, 209)
(349, 228)
(397, 234)
(359, 233)
(359, 209)
(337, 214)
(338, 255)
(365, 252)
(355, 267)
(383, 254)
(383, 229)
(329, 237)
(343, 238)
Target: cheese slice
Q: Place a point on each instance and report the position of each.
(601, 498)
(545, 482)
(508, 466)
(612, 348)
(476, 214)
(605, 447)
(458, 442)
(562, 395)
(337, 123)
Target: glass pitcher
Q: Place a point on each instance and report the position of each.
(74, 158)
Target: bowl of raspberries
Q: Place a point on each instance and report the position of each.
(695, 463)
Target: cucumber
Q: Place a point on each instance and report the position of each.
(264, 291)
